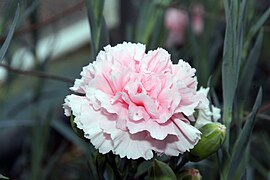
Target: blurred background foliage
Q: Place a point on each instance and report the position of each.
(45, 44)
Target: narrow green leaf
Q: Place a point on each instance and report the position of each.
(159, 34)
(149, 18)
(160, 171)
(39, 143)
(249, 68)
(104, 37)
(30, 9)
(260, 22)
(99, 32)
(241, 169)
(254, 29)
(232, 54)
(244, 137)
(144, 15)
(229, 70)
(5, 46)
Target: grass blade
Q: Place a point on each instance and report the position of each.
(260, 22)
(244, 137)
(151, 14)
(249, 68)
(5, 46)
(229, 69)
(40, 134)
(232, 53)
(99, 32)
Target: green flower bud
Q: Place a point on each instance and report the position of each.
(213, 135)
(189, 174)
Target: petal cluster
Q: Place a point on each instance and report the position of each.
(208, 113)
(135, 103)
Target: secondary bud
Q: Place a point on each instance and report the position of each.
(189, 174)
(213, 135)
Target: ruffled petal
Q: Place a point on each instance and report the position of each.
(73, 103)
(91, 121)
(186, 138)
(155, 129)
(157, 61)
(102, 142)
(132, 146)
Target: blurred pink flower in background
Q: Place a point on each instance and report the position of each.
(197, 19)
(136, 102)
(176, 21)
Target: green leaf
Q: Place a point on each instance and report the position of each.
(5, 46)
(254, 29)
(158, 36)
(260, 22)
(229, 64)
(151, 13)
(41, 131)
(160, 171)
(249, 68)
(232, 53)
(99, 32)
(233, 56)
(244, 137)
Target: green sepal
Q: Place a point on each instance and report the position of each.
(77, 131)
(160, 171)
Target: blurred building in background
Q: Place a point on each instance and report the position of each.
(59, 27)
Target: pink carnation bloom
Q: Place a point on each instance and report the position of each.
(136, 102)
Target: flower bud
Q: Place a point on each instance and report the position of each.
(160, 170)
(213, 135)
(189, 174)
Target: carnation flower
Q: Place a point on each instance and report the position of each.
(134, 103)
